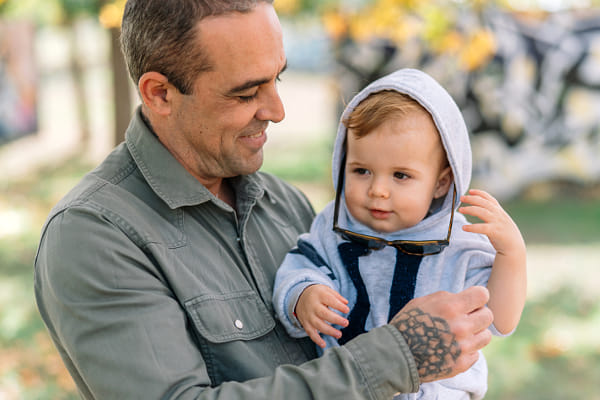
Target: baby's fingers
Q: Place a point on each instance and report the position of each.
(337, 302)
(313, 334)
(332, 317)
(327, 329)
(482, 194)
(475, 211)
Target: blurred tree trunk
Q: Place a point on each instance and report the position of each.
(78, 72)
(121, 93)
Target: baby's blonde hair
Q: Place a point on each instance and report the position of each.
(380, 107)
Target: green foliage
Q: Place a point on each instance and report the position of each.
(554, 354)
(49, 11)
(76, 7)
(561, 220)
(307, 162)
(38, 11)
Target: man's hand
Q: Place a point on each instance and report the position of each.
(315, 312)
(444, 331)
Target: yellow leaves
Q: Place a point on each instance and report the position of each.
(478, 49)
(287, 7)
(335, 24)
(450, 43)
(387, 19)
(434, 23)
(437, 22)
(111, 14)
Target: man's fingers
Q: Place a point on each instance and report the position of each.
(480, 319)
(466, 361)
(474, 298)
(470, 349)
(481, 339)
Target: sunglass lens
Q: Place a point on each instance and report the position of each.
(413, 248)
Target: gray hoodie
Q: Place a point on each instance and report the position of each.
(384, 280)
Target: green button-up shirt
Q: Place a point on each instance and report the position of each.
(151, 287)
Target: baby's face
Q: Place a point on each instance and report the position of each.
(392, 173)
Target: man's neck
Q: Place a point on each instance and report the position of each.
(219, 187)
(225, 193)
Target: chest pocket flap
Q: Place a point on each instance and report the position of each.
(231, 316)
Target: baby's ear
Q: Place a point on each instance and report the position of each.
(444, 181)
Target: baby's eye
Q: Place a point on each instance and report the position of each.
(361, 171)
(400, 175)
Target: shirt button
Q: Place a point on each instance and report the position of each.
(238, 324)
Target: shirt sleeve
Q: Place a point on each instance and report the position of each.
(123, 334)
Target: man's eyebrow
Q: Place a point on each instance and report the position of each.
(254, 83)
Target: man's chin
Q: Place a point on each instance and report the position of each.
(251, 165)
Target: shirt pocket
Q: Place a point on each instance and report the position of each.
(221, 318)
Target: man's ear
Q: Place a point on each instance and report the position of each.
(156, 92)
(442, 186)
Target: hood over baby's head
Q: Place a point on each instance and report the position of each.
(444, 111)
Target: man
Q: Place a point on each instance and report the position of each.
(154, 274)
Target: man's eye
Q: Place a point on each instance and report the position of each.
(248, 99)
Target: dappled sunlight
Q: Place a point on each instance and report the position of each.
(14, 222)
(552, 266)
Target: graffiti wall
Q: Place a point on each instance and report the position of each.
(17, 81)
(533, 108)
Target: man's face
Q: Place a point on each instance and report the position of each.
(219, 130)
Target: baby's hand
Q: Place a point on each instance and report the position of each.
(497, 225)
(314, 311)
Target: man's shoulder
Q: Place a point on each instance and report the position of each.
(287, 198)
(277, 187)
(104, 182)
(273, 182)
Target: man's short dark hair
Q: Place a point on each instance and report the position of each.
(161, 36)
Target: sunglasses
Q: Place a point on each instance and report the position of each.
(413, 247)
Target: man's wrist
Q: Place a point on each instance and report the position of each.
(386, 360)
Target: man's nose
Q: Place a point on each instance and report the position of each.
(271, 107)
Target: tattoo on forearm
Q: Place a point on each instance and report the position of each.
(430, 340)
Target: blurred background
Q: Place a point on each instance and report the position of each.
(526, 74)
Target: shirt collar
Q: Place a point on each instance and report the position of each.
(168, 178)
